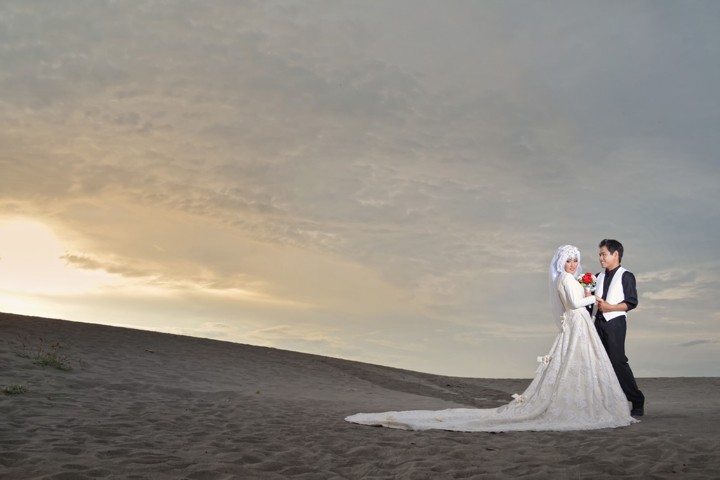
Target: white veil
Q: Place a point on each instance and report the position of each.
(557, 266)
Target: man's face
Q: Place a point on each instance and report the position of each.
(608, 260)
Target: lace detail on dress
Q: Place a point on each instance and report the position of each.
(544, 360)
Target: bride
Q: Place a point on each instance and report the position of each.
(575, 387)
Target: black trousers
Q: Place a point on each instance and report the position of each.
(612, 335)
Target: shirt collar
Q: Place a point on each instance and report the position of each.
(610, 272)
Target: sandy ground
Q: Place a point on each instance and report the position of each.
(146, 405)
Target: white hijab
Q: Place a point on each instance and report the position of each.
(557, 266)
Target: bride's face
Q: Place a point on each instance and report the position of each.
(571, 265)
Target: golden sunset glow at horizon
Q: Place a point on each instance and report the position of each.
(31, 262)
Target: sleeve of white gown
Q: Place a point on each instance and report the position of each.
(575, 293)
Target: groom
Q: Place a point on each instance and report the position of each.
(617, 295)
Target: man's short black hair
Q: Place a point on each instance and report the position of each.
(612, 246)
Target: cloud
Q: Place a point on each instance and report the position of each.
(694, 343)
(371, 162)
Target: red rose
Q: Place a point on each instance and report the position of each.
(587, 278)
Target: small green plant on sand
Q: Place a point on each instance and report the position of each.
(14, 389)
(47, 355)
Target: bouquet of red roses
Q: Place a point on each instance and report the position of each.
(587, 280)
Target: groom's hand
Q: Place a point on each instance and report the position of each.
(602, 305)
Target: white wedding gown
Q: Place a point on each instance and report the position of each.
(575, 387)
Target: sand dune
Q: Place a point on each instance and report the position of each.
(146, 405)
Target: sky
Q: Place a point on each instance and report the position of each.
(382, 181)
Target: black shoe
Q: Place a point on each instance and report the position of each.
(637, 412)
